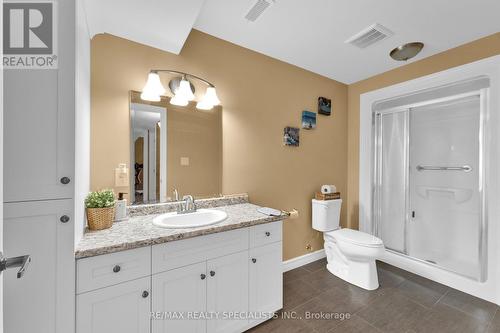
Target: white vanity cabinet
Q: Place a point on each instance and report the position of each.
(215, 283)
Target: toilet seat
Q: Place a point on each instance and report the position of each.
(355, 237)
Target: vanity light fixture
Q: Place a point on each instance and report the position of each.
(181, 87)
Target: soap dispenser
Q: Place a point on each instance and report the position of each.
(121, 208)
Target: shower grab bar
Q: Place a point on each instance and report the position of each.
(465, 168)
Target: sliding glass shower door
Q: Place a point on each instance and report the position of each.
(445, 226)
(428, 190)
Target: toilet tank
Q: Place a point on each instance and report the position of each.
(326, 214)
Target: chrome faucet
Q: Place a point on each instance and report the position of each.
(187, 205)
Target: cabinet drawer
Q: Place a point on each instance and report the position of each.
(189, 251)
(265, 234)
(108, 269)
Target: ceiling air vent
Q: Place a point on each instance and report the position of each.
(257, 9)
(369, 36)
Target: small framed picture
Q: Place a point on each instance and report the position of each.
(291, 136)
(324, 106)
(308, 120)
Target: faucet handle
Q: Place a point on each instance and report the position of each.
(189, 204)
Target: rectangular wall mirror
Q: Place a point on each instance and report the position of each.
(173, 148)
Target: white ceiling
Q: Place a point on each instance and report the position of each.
(311, 33)
(164, 24)
(307, 33)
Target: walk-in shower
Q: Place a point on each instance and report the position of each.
(428, 198)
(429, 185)
(429, 180)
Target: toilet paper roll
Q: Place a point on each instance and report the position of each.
(325, 189)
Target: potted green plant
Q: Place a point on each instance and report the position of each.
(100, 207)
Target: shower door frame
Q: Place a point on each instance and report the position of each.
(377, 175)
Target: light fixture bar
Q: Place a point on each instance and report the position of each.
(183, 74)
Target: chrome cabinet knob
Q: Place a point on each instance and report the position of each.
(254, 260)
(203, 276)
(212, 273)
(117, 268)
(65, 180)
(145, 294)
(64, 218)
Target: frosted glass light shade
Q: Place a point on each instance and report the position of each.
(150, 97)
(178, 100)
(211, 97)
(209, 100)
(184, 92)
(204, 106)
(153, 88)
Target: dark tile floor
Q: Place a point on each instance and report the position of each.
(404, 303)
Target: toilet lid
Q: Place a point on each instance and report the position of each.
(357, 237)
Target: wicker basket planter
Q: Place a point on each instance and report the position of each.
(100, 218)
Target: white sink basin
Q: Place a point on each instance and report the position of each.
(200, 218)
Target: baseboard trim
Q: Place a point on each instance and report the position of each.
(303, 260)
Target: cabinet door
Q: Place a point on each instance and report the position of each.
(39, 130)
(123, 308)
(266, 279)
(37, 153)
(178, 295)
(227, 292)
(42, 300)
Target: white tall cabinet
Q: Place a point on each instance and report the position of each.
(39, 107)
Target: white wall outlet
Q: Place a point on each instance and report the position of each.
(184, 161)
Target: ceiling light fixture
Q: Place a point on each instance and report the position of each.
(181, 87)
(406, 51)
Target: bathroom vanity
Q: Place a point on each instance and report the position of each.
(138, 277)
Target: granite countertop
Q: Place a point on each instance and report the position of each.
(139, 231)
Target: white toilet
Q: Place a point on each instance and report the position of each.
(351, 254)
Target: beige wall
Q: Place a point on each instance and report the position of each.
(198, 136)
(260, 96)
(479, 49)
